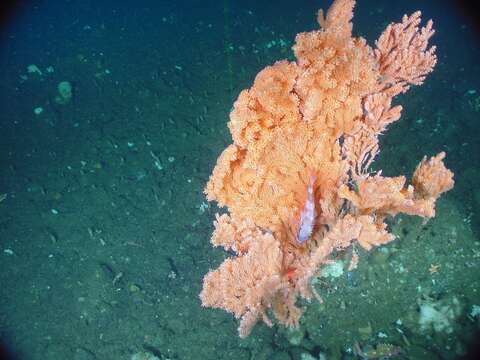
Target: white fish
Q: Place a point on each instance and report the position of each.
(308, 214)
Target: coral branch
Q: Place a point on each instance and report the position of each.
(402, 54)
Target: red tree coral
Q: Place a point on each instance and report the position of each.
(316, 118)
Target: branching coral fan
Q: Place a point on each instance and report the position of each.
(304, 137)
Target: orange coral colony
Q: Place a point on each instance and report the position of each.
(296, 179)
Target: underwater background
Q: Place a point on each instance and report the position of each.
(113, 114)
